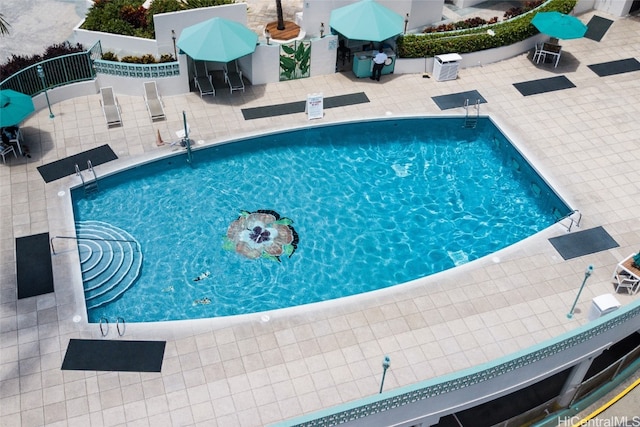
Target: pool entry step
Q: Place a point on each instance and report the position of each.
(110, 261)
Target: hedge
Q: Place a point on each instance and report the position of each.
(502, 34)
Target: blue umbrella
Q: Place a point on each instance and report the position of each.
(559, 25)
(14, 107)
(366, 20)
(217, 40)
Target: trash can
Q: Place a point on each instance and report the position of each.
(445, 67)
(602, 305)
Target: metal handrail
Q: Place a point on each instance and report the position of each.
(59, 71)
(577, 223)
(53, 250)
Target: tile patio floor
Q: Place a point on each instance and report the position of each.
(244, 372)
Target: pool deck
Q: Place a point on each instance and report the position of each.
(244, 371)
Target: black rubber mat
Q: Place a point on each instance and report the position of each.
(457, 100)
(67, 166)
(550, 84)
(597, 27)
(615, 67)
(114, 355)
(33, 263)
(298, 106)
(585, 242)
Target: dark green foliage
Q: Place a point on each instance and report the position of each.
(473, 40)
(165, 57)
(19, 62)
(129, 18)
(144, 59)
(109, 56)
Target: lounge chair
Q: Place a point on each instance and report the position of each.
(110, 107)
(202, 80)
(233, 77)
(153, 101)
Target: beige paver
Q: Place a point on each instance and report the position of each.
(242, 371)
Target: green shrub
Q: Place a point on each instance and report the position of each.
(165, 57)
(505, 33)
(129, 18)
(131, 59)
(109, 56)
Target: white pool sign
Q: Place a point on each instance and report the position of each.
(314, 106)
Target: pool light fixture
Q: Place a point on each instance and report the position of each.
(386, 362)
(587, 274)
(40, 72)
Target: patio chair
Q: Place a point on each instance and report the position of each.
(539, 54)
(153, 101)
(6, 149)
(14, 136)
(233, 77)
(110, 107)
(626, 282)
(202, 80)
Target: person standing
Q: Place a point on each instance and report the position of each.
(378, 64)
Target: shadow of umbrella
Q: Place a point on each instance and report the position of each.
(568, 64)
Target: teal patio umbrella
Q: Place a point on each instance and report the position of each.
(559, 25)
(14, 107)
(217, 40)
(366, 20)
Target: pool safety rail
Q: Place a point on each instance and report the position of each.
(104, 326)
(572, 221)
(471, 122)
(89, 186)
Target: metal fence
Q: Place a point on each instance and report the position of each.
(60, 71)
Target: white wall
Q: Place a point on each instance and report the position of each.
(263, 66)
(120, 45)
(63, 93)
(466, 3)
(614, 7)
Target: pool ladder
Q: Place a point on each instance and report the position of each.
(471, 122)
(89, 186)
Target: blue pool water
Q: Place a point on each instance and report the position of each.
(316, 214)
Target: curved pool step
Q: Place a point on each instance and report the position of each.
(110, 261)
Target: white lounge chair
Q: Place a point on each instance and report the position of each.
(233, 77)
(110, 107)
(202, 79)
(153, 101)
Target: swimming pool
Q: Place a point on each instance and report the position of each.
(310, 215)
